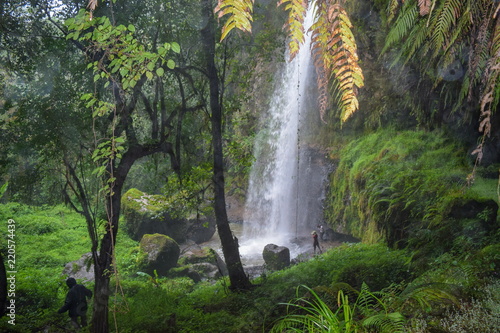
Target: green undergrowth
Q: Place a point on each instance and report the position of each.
(49, 237)
(392, 185)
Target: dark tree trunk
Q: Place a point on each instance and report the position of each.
(103, 254)
(238, 279)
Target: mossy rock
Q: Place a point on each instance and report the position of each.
(276, 257)
(197, 255)
(158, 253)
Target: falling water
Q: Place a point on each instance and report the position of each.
(276, 206)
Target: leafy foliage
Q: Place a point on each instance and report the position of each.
(295, 24)
(240, 15)
(442, 31)
(334, 48)
(312, 314)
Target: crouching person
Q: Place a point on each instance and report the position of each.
(76, 303)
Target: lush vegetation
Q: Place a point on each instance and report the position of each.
(359, 286)
(94, 107)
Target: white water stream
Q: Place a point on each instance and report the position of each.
(287, 181)
(275, 210)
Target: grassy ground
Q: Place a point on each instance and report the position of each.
(49, 237)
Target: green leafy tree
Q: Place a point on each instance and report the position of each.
(122, 68)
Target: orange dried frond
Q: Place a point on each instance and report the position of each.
(424, 6)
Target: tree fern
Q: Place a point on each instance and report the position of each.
(405, 22)
(334, 46)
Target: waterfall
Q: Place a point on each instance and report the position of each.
(276, 206)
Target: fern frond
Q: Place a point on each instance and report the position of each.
(415, 40)
(427, 295)
(334, 49)
(390, 322)
(240, 15)
(490, 97)
(462, 28)
(424, 7)
(295, 24)
(404, 23)
(444, 18)
(392, 9)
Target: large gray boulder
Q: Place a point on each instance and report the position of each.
(81, 269)
(148, 214)
(158, 253)
(276, 257)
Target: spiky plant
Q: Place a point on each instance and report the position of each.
(311, 313)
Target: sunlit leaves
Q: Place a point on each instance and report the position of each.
(240, 15)
(123, 54)
(336, 59)
(334, 46)
(295, 23)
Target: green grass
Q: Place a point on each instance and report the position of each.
(49, 237)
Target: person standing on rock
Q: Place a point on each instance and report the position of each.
(316, 242)
(76, 302)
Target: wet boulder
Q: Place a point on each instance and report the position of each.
(158, 253)
(196, 255)
(276, 257)
(148, 214)
(199, 264)
(81, 269)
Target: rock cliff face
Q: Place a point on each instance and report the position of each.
(148, 214)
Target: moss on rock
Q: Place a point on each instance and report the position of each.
(158, 253)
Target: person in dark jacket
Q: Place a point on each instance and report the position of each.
(76, 302)
(316, 242)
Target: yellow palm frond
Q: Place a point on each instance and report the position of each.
(240, 15)
(295, 24)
